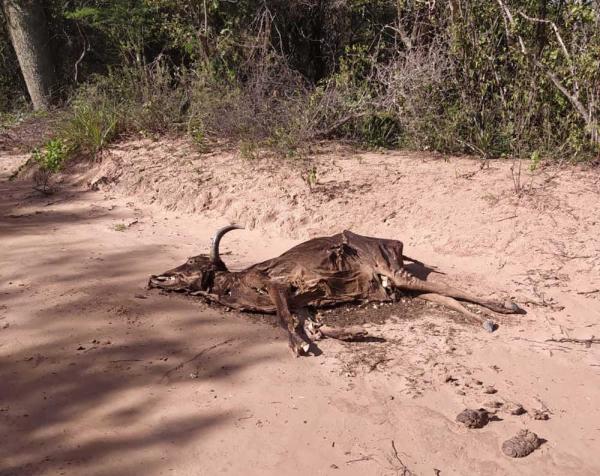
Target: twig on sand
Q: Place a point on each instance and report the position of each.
(507, 218)
(587, 342)
(554, 345)
(374, 365)
(198, 355)
(358, 460)
(401, 470)
(589, 292)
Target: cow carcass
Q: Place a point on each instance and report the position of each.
(320, 272)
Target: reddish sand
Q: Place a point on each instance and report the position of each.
(99, 376)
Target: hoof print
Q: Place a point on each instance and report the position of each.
(473, 418)
(521, 445)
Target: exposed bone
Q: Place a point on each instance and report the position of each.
(454, 305)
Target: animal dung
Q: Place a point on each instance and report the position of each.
(517, 409)
(522, 444)
(473, 418)
(540, 415)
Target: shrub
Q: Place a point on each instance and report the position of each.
(50, 160)
(92, 123)
(52, 156)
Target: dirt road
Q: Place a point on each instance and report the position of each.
(99, 376)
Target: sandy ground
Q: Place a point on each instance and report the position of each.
(99, 376)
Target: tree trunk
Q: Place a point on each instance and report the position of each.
(28, 31)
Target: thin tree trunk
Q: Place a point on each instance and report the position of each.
(26, 23)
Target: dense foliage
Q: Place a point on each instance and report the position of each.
(495, 78)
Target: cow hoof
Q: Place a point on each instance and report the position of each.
(299, 347)
(490, 325)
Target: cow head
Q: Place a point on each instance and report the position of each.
(198, 272)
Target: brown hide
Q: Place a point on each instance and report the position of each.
(340, 268)
(323, 271)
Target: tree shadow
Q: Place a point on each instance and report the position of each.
(95, 380)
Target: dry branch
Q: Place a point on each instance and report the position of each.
(198, 355)
(344, 333)
(329, 131)
(586, 342)
(587, 114)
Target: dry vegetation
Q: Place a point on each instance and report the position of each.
(517, 79)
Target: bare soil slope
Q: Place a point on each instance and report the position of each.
(98, 376)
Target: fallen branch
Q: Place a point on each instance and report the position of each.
(403, 469)
(362, 458)
(327, 132)
(589, 292)
(507, 218)
(587, 342)
(374, 365)
(344, 333)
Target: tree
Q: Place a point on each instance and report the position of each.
(28, 31)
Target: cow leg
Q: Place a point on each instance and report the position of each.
(298, 343)
(450, 303)
(404, 280)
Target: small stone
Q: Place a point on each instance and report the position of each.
(460, 392)
(490, 390)
(473, 418)
(489, 325)
(334, 466)
(522, 444)
(476, 382)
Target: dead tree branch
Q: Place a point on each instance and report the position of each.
(574, 97)
(197, 356)
(587, 342)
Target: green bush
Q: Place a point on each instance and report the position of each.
(52, 156)
(50, 159)
(464, 77)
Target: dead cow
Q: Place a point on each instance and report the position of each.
(325, 271)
